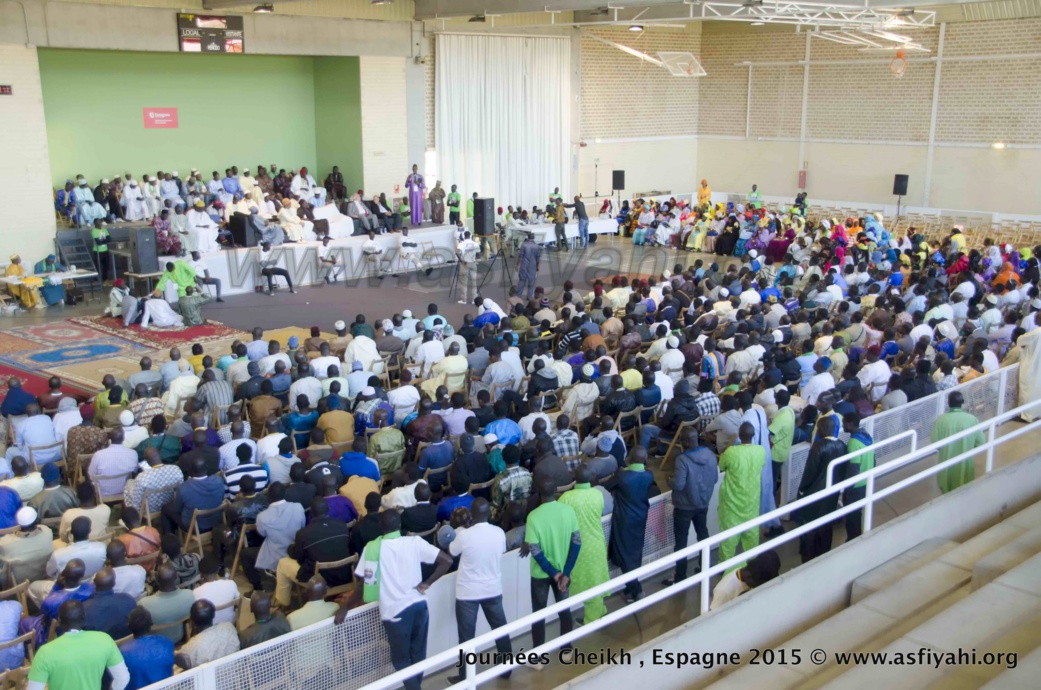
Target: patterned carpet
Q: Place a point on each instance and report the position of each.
(162, 338)
(88, 350)
(36, 383)
(12, 343)
(57, 332)
(89, 374)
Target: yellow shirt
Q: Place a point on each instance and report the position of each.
(632, 379)
(704, 195)
(196, 363)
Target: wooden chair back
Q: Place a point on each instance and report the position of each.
(333, 565)
(195, 533)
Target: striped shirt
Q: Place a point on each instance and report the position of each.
(233, 477)
(145, 409)
(215, 394)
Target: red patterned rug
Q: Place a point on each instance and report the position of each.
(160, 338)
(37, 383)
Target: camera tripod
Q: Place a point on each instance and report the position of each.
(499, 254)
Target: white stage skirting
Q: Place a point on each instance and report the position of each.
(545, 233)
(238, 271)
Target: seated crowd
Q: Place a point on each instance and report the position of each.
(423, 446)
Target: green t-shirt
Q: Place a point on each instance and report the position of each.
(782, 433)
(75, 661)
(453, 200)
(861, 463)
(551, 526)
(470, 208)
(96, 234)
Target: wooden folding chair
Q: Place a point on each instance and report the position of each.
(245, 529)
(36, 450)
(195, 533)
(220, 413)
(390, 462)
(235, 604)
(143, 508)
(145, 561)
(431, 473)
(631, 433)
(26, 642)
(676, 441)
(333, 565)
(479, 487)
(495, 390)
(19, 592)
(109, 498)
(183, 623)
(426, 534)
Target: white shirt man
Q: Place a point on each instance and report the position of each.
(818, 383)
(480, 548)
(158, 312)
(294, 226)
(267, 447)
(267, 363)
(228, 458)
(403, 399)
(407, 248)
(876, 375)
(130, 579)
(309, 386)
(320, 365)
(218, 592)
(363, 349)
(428, 354)
(400, 572)
(303, 186)
(203, 230)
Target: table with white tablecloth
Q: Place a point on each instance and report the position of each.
(545, 233)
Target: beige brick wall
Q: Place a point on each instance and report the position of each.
(624, 96)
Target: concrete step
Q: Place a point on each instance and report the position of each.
(1021, 641)
(896, 568)
(879, 617)
(1000, 561)
(1005, 609)
(1023, 677)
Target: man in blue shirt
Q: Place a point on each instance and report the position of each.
(107, 610)
(169, 370)
(459, 499)
(200, 492)
(504, 428)
(17, 399)
(356, 463)
(437, 455)
(9, 505)
(149, 658)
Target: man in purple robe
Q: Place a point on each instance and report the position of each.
(415, 186)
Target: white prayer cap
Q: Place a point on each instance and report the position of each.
(1036, 304)
(673, 342)
(195, 170)
(992, 299)
(126, 418)
(753, 253)
(339, 325)
(666, 274)
(407, 314)
(245, 170)
(388, 325)
(778, 336)
(723, 292)
(489, 439)
(174, 173)
(104, 180)
(368, 390)
(183, 365)
(25, 516)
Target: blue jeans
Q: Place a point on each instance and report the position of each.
(583, 232)
(466, 622)
(407, 635)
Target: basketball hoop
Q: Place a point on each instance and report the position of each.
(898, 65)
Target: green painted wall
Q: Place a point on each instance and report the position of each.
(232, 109)
(337, 118)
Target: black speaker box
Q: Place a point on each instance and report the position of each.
(241, 232)
(617, 179)
(484, 216)
(144, 253)
(900, 185)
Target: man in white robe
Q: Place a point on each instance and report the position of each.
(203, 230)
(216, 190)
(133, 202)
(153, 200)
(179, 225)
(304, 187)
(160, 313)
(294, 226)
(250, 189)
(168, 190)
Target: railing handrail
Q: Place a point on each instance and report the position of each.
(871, 449)
(704, 547)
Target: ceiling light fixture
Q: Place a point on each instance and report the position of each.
(382, 2)
(264, 9)
(635, 27)
(999, 145)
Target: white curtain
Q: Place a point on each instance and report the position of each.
(503, 117)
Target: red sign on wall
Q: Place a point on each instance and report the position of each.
(160, 118)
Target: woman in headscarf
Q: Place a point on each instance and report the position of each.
(698, 235)
(778, 246)
(67, 417)
(1007, 273)
(728, 229)
(165, 240)
(704, 193)
(26, 293)
(605, 209)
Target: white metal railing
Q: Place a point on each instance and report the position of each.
(704, 549)
(303, 656)
(985, 397)
(873, 448)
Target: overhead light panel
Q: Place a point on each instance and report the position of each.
(382, 2)
(999, 145)
(636, 27)
(264, 9)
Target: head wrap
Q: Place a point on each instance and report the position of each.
(25, 516)
(339, 325)
(294, 341)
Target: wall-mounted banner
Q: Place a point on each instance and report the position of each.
(209, 33)
(160, 118)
